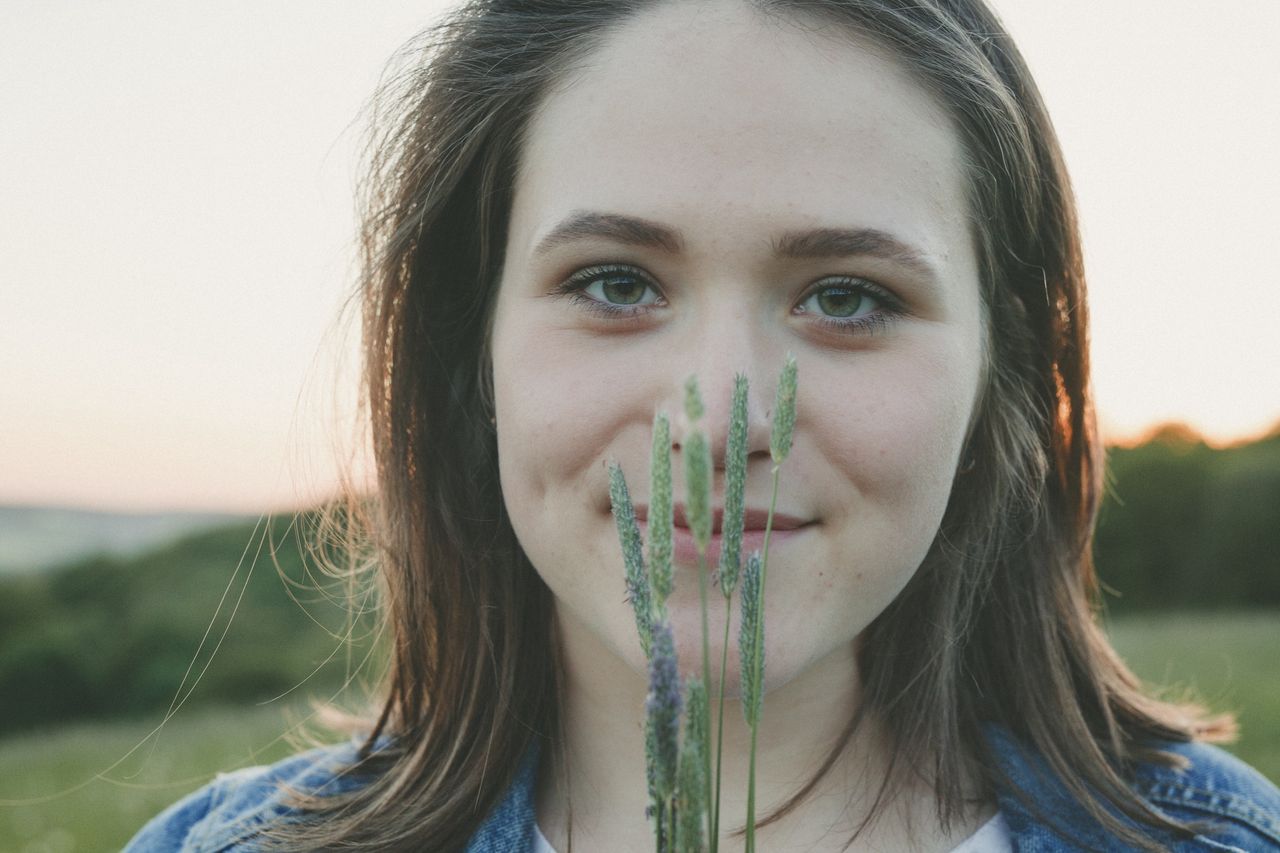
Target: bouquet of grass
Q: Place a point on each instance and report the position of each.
(684, 802)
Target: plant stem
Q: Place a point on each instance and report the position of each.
(755, 665)
(751, 794)
(724, 662)
(706, 679)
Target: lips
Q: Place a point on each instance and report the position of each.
(753, 518)
(685, 550)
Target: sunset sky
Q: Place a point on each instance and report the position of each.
(176, 231)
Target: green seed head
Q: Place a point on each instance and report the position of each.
(697, 474)
(691, 780)
(695, 712)
(692, 400)
(690, 806)
(752, 618)
(784, 412)
(660, 519)
(638, 592)
(735, 485)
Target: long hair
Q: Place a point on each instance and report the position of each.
(997, 625)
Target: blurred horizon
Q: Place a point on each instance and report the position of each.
(1170, 432)
(180, 236)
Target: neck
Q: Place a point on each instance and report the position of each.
(591, 791)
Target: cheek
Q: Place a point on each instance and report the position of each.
(552, 416)
(556, 411)
(893, 447)
(885, 462)
(905, 423)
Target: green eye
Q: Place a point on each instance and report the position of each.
(613, 291)
(621, 289)
(852, 306)
(840, 301)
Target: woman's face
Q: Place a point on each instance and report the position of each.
(707, 191)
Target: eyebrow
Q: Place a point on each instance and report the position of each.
(846, 242)
(633, 231)
(816, 243)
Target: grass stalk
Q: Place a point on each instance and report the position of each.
(699, 473)
(757, 661)
(783, 428)
(706, 679)
(724, 663)
(735, 479)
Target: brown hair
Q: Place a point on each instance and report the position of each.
(997, 625)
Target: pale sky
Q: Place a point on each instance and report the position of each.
(177, 221)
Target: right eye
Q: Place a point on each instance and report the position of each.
(610, 290)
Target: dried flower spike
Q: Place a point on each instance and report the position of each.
(784, 412)
(624, 515)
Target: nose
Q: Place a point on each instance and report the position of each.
(721, 358)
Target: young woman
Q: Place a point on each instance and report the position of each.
(578, 204)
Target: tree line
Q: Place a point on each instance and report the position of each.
(1188, 526)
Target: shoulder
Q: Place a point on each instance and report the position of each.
(228, 811)
(1233, 806)
(225, 815)
(1219, 788)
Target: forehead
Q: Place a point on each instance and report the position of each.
(707, 113)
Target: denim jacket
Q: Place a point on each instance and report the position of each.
(1240, 806)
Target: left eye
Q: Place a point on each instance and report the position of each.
(852, 306)
(842, 301)
(611, 290)
(616, 287)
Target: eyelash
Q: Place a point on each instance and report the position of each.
(890, 309)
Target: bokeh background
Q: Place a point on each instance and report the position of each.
(177, 379)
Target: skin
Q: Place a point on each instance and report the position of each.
(734, 129)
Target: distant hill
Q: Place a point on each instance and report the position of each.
(236, 614)
(36, 538)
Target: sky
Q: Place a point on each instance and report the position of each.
(177, 226)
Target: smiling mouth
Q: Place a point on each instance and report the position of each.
(685, 548)
(754, 519)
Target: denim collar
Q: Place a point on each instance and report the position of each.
(1045, 818)
(511, 825)
(1048, 818)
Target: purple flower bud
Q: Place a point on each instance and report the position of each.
(663, 707)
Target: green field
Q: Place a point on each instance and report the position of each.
(68, 790)
(1229, 662)
(80, 796)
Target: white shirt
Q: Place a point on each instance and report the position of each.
(991, 837)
